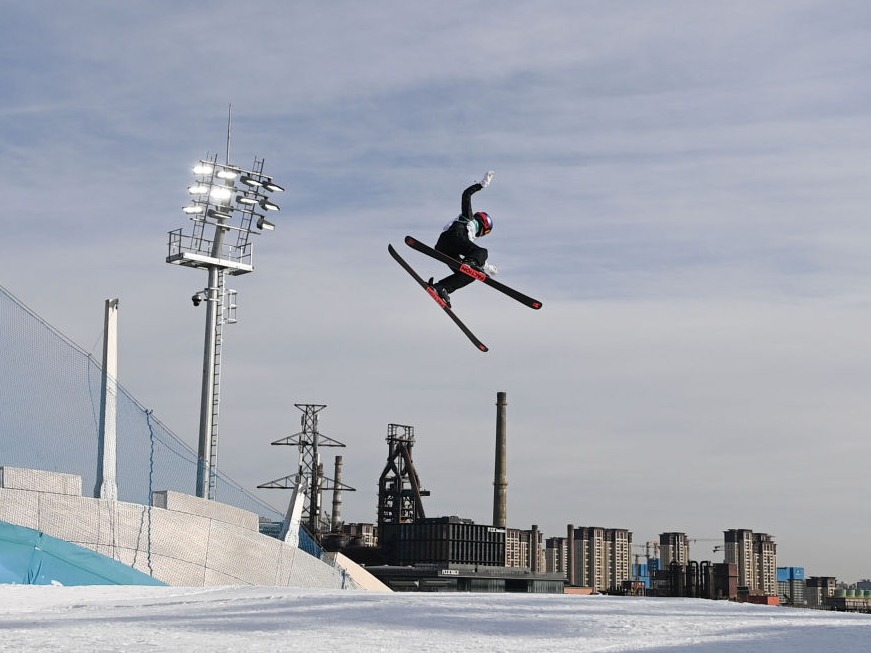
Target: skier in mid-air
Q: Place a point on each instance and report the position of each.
(456, 248)
(457, 240)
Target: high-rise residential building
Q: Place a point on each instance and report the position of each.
(755, 555)
(556, 555)
(765, 551)
(523, 549)
(621, 559)
(516, 548)
(673, 547)
(738, 550)
(601, 558)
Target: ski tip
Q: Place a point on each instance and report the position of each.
(536, 305)
(409, 240)
(483, 347)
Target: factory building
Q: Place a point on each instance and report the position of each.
(454, 554)
(444, 541)
(420, 553)
(362, 534)
(819, 590)
(791, 586)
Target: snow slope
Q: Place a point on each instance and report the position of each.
(112, 618)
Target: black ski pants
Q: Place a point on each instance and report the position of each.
(455, 243)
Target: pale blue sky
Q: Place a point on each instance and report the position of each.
(683, 184)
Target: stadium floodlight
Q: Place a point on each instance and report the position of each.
(224, 197)
(220, 193)
(251, 181)
(272, 187)
(218, 214)
(268, 206)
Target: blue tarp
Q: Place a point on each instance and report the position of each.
(29, 557)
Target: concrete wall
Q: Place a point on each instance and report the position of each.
(361, 576)
(182, 540)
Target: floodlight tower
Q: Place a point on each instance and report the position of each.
(225, 200)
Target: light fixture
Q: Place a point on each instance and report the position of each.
(241, 199)
(263, 223)
(226, 174)
(269, 206)
(272, 186)
(250, 181)
(198, 190)
(196, 208)
(220, 215)
(203, 169)
(221, 193)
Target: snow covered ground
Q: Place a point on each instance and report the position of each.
(112, 618)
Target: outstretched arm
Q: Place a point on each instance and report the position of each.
(466, 210)
(466, 203)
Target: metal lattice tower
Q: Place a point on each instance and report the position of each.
(399, 491)
(309, 440)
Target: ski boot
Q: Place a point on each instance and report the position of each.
(441, 292)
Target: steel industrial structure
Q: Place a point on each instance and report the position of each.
(399, 491)
(231, 202)
(311, 469)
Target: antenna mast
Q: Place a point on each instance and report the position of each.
(227, 160)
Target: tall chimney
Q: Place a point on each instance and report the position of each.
(533, 550)
(337, 496)
(570, 554)
(500, 478)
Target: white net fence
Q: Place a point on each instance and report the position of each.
(50, 416)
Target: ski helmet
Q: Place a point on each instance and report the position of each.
(483, 223)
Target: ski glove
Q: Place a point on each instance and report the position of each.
(486, 180)
(490, 269)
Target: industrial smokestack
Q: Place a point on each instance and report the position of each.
(500, 478)
(533, 550)
(336, 524)
(570, 554)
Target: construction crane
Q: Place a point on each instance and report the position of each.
(718, 547)
(648, 546)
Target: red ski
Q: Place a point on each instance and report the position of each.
(432, 293)
(459, 266)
